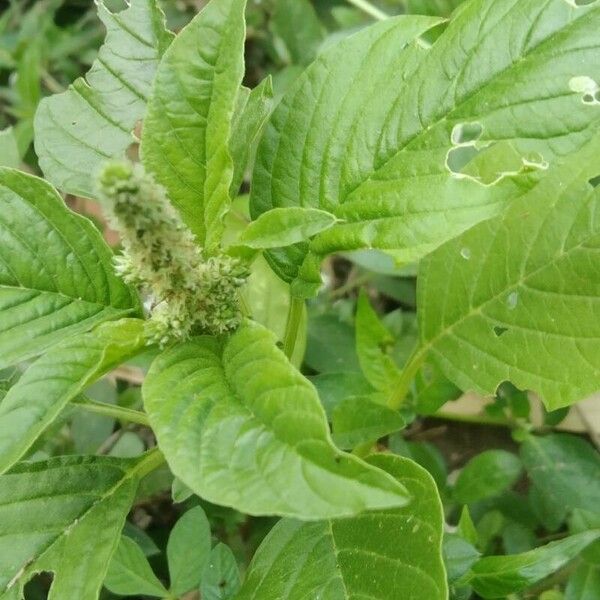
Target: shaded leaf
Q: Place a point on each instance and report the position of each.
(9, 151)
(221, 576)
(499, 576)
(360, 419)
(188, 550)
(130, 573)
(565, 470)
(584, 584)
(373, 346)
(487, 474)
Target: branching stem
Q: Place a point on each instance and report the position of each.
(293, 325)
(115, 412)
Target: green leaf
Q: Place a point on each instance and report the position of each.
(9, 151)
(180, 492)
(93, 121)
(499, 576)
(334, 388)
(373, 555)
(254, 435)
(286, 226)
(221, 576)
(130, 573)
(443, 8)
(56, 272)
(459, 556)
(360, 419)
(65, 516)
(381, 156)
(297, 24)
(565, 470)
(488, 474)
(51, 382)
(521, 293)
(373, 346)
(466, 528)
(188, 550)
(584, 584)
(187, 129)
(253, 110)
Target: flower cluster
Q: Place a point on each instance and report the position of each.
(188, 292)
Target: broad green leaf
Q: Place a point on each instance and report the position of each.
(373, 345)
(521, 294)
(56, 272)
(358, 420)
(499, 576)
(411, 145)
(286, 226)
(221, 576)
(130, 573)
(242, 428)
(378, 555)
(93, 121)
(9, 151)
(432, 389)
(65, 516)
(584, 584)
(57, 377)
(253, 110)
(488, 474)
(565, 469)
(188, 550)
(185, 141)
(299, 27)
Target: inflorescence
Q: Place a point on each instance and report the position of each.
(188, 292)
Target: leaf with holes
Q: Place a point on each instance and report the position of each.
(185, 141)
(410, 144)
(76, 500)
(241, 427)
(521, 297)
(56, 272)
(377, 554)
(56, 378)
(93, 121)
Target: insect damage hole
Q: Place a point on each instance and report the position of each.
(500, 331)
(595, 181)
(587, 87)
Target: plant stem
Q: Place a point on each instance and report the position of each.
(111, 410)
(292, 325)
(369, 9)
(153, 459)
(413, 364)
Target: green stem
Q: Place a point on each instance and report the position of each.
(369, 9)
(413, 364)
(292, 325)
(111, 410)
(153, 459)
